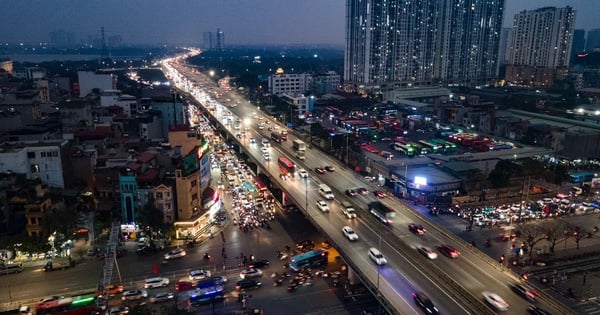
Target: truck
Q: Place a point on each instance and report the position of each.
(276, 136)
(58, 264)
(299, 145)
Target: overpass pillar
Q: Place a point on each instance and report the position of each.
(352, 278)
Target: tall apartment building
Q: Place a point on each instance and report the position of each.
(578, 45)
(209, 40)
(541, 46)
(593, 40)
(220, 43)
(543, 37)
(422, 41)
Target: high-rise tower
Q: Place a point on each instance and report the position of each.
(415, 42)
(543, 37)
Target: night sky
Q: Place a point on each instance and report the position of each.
(183, 21)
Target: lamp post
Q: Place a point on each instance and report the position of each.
(347, 161)
(306, 195)
(378, 276)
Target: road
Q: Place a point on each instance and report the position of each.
(473, 271)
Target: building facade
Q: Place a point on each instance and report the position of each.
(423, 41)
(543, 37)
(282, 83)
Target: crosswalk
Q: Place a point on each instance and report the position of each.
(590, 308)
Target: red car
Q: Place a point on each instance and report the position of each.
(320, 170)
(184, 286)
(379, 193)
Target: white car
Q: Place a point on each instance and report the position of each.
(322, 205)
(495, 301)
(199, 274)
(176, 253)
(377, 256)
(267, 157)
(350, 213)
(427, 252)
(157, 282)
(349, 233)
(264, 150)
(250, 273)
(303, 173)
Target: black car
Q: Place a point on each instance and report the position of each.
(305, 245)
(362, 190)
(258, 263)
(247, 284)
(351, 192)
(329, 168)
(532, 309)
(146, 250)
(417, 228)
(425, 303)
(524, 291)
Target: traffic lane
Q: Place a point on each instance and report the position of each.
(469, 271)
(401, 284)
(35, 283)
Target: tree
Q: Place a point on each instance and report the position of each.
(151, 216)
(554, 230)
(504, 170)
(533, 233)
(578, 234)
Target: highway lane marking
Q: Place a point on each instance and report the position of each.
(420, 271)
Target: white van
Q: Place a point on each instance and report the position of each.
(230, 180)
(326, 192)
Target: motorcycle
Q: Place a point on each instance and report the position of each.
(206, 256)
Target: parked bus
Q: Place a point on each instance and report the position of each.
(404, 148)
(382, 212)
(582, 177)
(314, 258)
(10, 268)
(260, 186)
(432, 147)
(286, 166)
(419, 149)
(78, 305)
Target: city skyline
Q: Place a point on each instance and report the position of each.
(267, 22)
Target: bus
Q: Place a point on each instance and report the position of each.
(582, 177)
(286, 166)
(432, 147)
(299, 145)
(206, 295)
(419, 149)
(78, 305)
(260, 186)
(314, 258)
(382, 212)
(404, 148)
